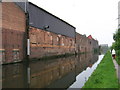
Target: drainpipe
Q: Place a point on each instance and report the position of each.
(75, 43)
(27, 37)
(27, 49)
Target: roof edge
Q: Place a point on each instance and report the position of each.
(52, 15)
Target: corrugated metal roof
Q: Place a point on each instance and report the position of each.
(42, 19)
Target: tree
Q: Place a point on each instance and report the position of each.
(116, 44)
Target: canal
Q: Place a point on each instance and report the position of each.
(66, 72)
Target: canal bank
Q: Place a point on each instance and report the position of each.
(104, 76)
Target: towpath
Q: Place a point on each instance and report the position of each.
(117, 67)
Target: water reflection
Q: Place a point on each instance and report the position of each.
(44, 73)
(82, 77)
(56, 73)
(14, 76)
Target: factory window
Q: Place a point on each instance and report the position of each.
(48, 33)
(66, 41)
(33, 39)
(18, 46)
(51, 38)
(62, 42)
(57, 38)
(2, 56)
(15, 54)
(73, 43)
(70, 42)
(90, 42)
(13, 46)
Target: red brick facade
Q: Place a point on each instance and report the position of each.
(84, 44)
(48, 43)
(13, 33)
(42, 42)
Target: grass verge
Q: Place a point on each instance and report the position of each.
(104, 76)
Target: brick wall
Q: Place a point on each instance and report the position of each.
(12, 17)
(44, 43)
(84, 44)
(13, 33)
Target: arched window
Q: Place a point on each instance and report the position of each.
(51, 37)
(57, 38)
(62, 41)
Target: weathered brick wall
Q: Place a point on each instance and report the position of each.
(81, 43)
(13, 33)
(95, 44)
(44, 43)
(84, 44)
(12, 17)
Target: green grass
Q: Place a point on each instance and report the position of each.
(104, 76)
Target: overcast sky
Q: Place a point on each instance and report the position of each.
(91, 17)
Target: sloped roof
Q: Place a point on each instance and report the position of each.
(90, 37)
(39, 18)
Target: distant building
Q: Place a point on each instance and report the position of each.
(90, 37)
(103, 48)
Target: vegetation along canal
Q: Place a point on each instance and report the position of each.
(66, 72)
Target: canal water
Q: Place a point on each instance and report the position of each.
(66, 72)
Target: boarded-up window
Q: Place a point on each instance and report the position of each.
(16, 54)
(62, 42)
(73, 43)
(51, 38)
(2, 56)
(33, 39)
(47, 38)
(57, 38)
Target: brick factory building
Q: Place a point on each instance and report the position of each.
(86, 44)
(48, 34)
(13, 33)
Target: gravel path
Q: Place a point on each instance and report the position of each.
(117, 67)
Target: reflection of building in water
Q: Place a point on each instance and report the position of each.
(60, 73)
(45, 73)
(56, 73)
(14, 76)
(84, 61)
